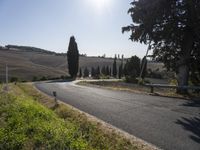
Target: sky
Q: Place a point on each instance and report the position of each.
(48, 24)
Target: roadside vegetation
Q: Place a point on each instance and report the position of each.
(139, 88)
(31, 120)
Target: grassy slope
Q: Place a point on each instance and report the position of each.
(25, 64)
(26, 124)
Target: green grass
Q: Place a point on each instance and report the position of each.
(25, 124)
(31, 120)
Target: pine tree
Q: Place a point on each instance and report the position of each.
(73, 57)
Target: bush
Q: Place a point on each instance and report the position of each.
(35, 79)
(130, 79)
(132, 67)
(14, 79)
(43, 78)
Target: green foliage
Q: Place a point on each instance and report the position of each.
(171, 28)
(87, 134)
(14, 79)
(86, 72)
(43, 78)
(115, 67)
(80, 73)
(93, 72)
(73, 57)
(107, 71)
(35, 79)
(103, 70)
(130, 79)
(132, 69)
(25, 124)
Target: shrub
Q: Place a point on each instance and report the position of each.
(130, 79)
(14, 79)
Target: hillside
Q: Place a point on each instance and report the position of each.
(25, 64)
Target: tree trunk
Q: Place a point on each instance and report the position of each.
(183, 77)
(184, 62)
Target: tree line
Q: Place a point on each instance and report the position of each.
(130, 69)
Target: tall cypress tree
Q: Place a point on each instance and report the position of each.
(107, 71)
(80, 73)
(98, 72)
(73, 57)
(115, 67)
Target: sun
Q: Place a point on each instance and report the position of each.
(99, 4)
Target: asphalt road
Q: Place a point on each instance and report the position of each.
(169, 123)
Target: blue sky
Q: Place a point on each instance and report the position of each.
(48, 24)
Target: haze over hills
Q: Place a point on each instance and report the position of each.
(26, 62)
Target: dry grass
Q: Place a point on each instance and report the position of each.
(26, 65)
(135, 88)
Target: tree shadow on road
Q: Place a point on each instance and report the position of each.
(192, 103)
(192, 125)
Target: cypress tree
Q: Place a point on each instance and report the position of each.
(93, 72)
(86, 72)
(80, 73)
(98, 71)
(120, 71)
(115, 67)
(103, 70)
(73, 57)
(107, 71)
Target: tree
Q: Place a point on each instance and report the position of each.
(98, 72)
(80, 73)
(103, 70)
(86, 72)
(120, 71)
(171, 28)
(115, 67)
(73, 57)
(107, 71)
(93, 72)
(132, 67)
(143, 67)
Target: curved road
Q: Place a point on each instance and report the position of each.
(168, 123)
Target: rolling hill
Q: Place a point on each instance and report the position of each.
(26, 62)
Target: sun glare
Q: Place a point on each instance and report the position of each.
(100, 5)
